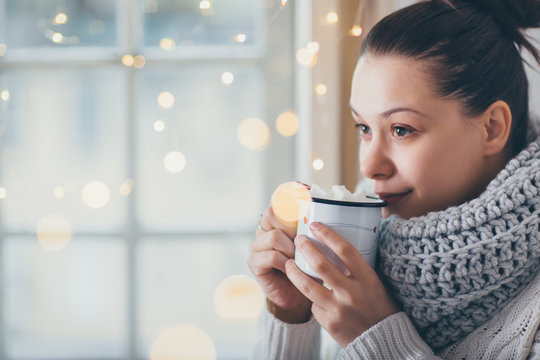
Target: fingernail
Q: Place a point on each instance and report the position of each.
(315, 225)
(298, 239)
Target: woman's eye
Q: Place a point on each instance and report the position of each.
(400, 131)
(362, 129)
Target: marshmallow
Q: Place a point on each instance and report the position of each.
(340, 192)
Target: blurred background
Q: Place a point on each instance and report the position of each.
(139, 142)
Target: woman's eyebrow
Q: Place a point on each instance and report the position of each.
(389, 112)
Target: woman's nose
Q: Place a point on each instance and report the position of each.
(374, 160)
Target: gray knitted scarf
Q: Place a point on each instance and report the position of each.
(452, 270)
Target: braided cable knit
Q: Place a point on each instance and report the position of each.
(453, 270)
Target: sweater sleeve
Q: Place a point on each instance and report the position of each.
(285, 341)
(535, 349)
(392, 338)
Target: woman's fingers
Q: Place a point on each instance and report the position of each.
(273, 240)
(308, 286)
(270, 221)
(263, 262)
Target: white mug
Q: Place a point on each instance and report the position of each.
(355, 221)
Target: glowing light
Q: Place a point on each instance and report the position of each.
(57, 38)
(96, 27)
(356, 31)
(306, 57)
(205, 5)
(159, 125)
(128, 60)
(321, 89)
(126, 187)
(96, 194)
(183, 342)
(174, 162)
(4, 95)
(318, 164)
(167, 44)
(238, 297)
(254, 134)
(332, 17)
(227, 78)
(287, 123)
(53, 232)
(283, 3)
(313, 47)
(3, 49)
(166, 100)
(139, 61)
(240, 38)
(287, 201)
(60, 19)
(59, 192)
(3, 192)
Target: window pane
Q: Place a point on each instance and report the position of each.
(222, 182)
(63, 130)
(201, 22)
(199, 282)
(65, 304)
(60, 23)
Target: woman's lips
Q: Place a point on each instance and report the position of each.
(392, 198)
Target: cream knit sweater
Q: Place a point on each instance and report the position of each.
(513, 333)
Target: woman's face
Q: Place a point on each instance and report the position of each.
(421, 151)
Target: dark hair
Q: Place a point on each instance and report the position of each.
(471, 49)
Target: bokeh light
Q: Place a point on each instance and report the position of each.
(174, 162)
(4, 95)
(283, 3)
(287, 202)
(57, 37)
(356, 31)
(166, 100)
(240, 38)
(227, 78)
(53, 232)
(313, 47)
(59, 192)
(167, 44)
(3, 192)
(306, 57)
(254, 134)
(287, 123)
(318, 164)
(205, 5)
(238, 297)
(126, 187)
(332, 17)
(60, 19)
(128, 60)
(159, 125)
(321, 89)
(139, 61)
(3, 49)
(183, 342)
(96, 194)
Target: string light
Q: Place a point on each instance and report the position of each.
(53, 232)
(205, 5)
(166, 100)
(139, 61)
(318, 164)
(254, 134)
(59, 192)
(355, 31)
(183, 342)
(227, 78)
(3, 49)
(174, 162)
(3, 192)
(60, 19)
(57, 38)
(159, 125)
(306, 57)
(313, 47)
(240, 38)
(167, 44)
(126, 187)
(96, 194)
(128, 60)
(283, 3)
(321, 89)
(287, 123)
(4, 95)
(332, 17)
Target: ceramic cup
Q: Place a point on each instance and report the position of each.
(355, 221)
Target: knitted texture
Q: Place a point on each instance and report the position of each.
(453, 270)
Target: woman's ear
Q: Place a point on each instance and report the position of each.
(497, 123)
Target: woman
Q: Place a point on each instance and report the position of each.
(440, 100)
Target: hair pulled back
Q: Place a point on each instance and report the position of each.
(471, 49)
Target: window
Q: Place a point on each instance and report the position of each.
(138, 147)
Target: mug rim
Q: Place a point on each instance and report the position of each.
(379, 203)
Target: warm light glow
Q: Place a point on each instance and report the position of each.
(3, 192)
(126, 187)
(183, 342)
(96, 194)
(283, 3)
(287, 123)
(205, 5)
(321, 89)
(313, 47)
(159, 125)
(227, 78)
(167, 44)
(57, 38)
(59, 192)
(356, 31)
(53, 232)
(240, 38)
(254, 134)
(166, 100)
(318, 164)
(287, 202)
(4, 95)
(306, 57)
(238, 297)
(332, 17)
(139, 61)
(60, 19)
(96, 27)
(128, 60)
(174, 162)
(3, 49)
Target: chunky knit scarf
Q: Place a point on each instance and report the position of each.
(453, 270)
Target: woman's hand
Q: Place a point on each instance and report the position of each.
(268, 254)
(355, 302)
